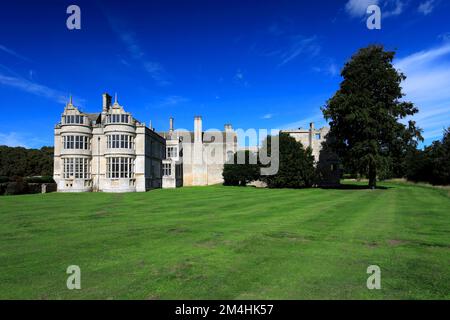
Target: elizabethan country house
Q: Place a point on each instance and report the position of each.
(113, 152)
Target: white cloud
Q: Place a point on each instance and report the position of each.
(317, 118)
(13, 53)
(12, 139)
(397, 9)
(427, 85)
(267, 116)
(300, 45)
(330, 69)
(129, 39)
(34, 88)
(389, 8)
(419, 59)
(358, 8)
(22, 139)
(174, 100)
(426, 7)
(239, 78)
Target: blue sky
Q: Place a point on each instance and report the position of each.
(255, 64)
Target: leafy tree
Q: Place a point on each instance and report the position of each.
(22, 162)
(296, 164)
(242, 170)
(432, 164)
(364, 114)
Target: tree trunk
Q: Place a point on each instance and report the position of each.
(372, 176)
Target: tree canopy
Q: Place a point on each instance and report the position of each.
(22, 162)
(431, 164)
(364, 114)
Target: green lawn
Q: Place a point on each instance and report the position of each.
(228, 243)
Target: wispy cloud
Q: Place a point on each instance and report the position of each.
(298, 45)
(239, 78)
(173, 100)
(389, 8)
(21, 139)
(267, 116)
(35, 88)
(393, 8)
(12, 139)
(316, 117)
(358, 8)
(330, 69)
(14, 53)
(427, 85)
(155, 69)
(426, 7)
(283, 42)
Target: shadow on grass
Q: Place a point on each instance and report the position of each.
(353, 187)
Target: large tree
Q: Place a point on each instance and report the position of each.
(364, 114)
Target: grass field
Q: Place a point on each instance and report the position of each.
(228, 243)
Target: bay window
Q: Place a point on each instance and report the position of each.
(118, 118)
(119, 167)
(76, 142)
(167, 169)
(78, 168)
(122, 141)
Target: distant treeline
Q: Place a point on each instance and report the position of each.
(22, 162)
(431, 164)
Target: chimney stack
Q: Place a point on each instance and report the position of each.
(106, 102)
(171, 124)
(228, 127)
(311, 133)
(198, 129)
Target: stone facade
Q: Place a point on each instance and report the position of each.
(326, 162)
(200, 155)
(113, 152)
(109, 151)
(311, 137)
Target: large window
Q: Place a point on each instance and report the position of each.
(122, 141)
(76, 142)
(118, 118)
(73, 119)
(167, 169)
(78, 168)
(119, 167)
(171, 152)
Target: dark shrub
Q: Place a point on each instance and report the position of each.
(296, 165)
(43, 179)
(242, 169)
(17, 187)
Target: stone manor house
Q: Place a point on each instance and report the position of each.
(111, 151)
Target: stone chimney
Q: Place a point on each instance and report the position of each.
(171, 124)
(198, 129)
(311, 133)
(228, 127)
(106, 102)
